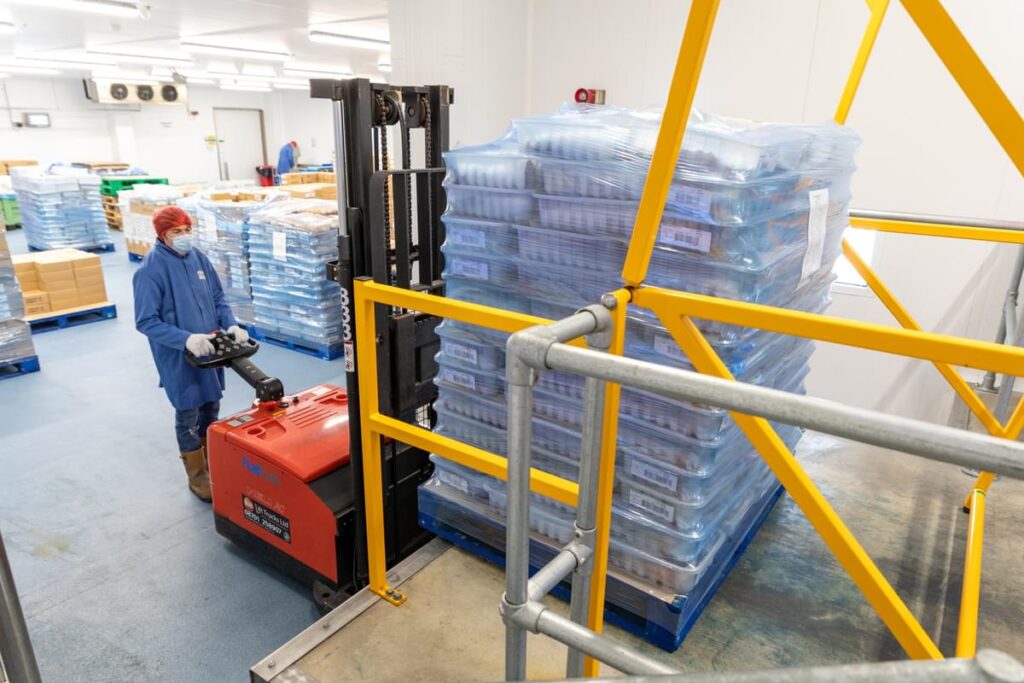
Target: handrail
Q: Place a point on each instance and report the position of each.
(932, 219)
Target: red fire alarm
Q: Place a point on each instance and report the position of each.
(589, 96)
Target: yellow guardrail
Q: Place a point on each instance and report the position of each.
(676, 310)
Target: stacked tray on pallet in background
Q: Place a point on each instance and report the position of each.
(15, 335)
(539, 222)
(223, 235)
(60, 209)
(290, 244)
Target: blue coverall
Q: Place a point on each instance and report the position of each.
(286, 159)
(176, 296)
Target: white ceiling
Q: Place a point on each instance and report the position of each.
(257, 24)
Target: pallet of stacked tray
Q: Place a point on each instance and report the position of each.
(17, 352)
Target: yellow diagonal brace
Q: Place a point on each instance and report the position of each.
(971, 75)
(670, 139)
(606, 482)
(959, 384)
(1016, 422)
(853, 558)
(860, 62)
(963, 232)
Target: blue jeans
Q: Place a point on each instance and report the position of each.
(191, 425)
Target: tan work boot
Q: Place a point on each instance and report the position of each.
(198, 479)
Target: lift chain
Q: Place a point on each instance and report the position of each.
(385, 165)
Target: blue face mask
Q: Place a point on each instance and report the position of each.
(182, 244)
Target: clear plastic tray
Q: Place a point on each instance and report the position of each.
(472, 349)
(499, 272)
(566, 249)
(474, 236)
(498, 164)
(469, 201)
(477, 292)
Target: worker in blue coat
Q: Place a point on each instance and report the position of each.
(179, 304)
(288, 157)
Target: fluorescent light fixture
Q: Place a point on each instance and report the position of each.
(199, 81)
(57, 62)
(245, 88)
(228, 51)
(290, 86)
(384, 64)
(148, 60)
(29, 70)
(321, 36)
(316, 72)
(8, 28)
(115, 8)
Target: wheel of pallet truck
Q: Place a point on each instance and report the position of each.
(327, 598)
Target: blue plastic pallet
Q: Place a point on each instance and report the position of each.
(98, 249)
(135, 258)
(58, 321)
(646, 608)
(17, 368)
(322, 351)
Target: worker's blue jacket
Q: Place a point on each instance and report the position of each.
(176, 296)
(286, 159)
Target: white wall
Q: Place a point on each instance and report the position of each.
(164, 140)
(925, 150)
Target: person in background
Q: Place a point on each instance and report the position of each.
(288, 157)
(179, 304)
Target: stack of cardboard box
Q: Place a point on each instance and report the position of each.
(59, 280)
(311, 190)
(305, 178)
(8, 164)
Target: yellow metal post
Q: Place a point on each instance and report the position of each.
(971, 75)
(606, 482)
(967, 630)
(369, 405)
(860, 62)
(562, 490)
(911, 343)
(959, 384)
(982, 483)
(689, 64)
(844, 546)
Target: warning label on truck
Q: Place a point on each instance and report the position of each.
(278, 525)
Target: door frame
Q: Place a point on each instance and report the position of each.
(263, 135)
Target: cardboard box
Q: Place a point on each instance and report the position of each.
(63, 300)
(37, 309)
(34, 297)
(89, 279)
(91, 295)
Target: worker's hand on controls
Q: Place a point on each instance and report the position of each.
(200, 345)
(239, 334)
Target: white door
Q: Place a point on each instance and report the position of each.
(241, 145)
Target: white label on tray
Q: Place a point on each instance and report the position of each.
(466, 354)
(652, 505)
(694, 239)
(473, 269)
(690, 200)
(467, 237)
(453, 480)
(653, 474)
(319, 391)
(462, 379)
(817, 220)
(280, 245)
(667, 346)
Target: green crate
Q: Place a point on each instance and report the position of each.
(10, 211)
(112, 185)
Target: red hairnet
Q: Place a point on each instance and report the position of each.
(169, 217)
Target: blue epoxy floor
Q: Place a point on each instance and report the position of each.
(121, 574)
